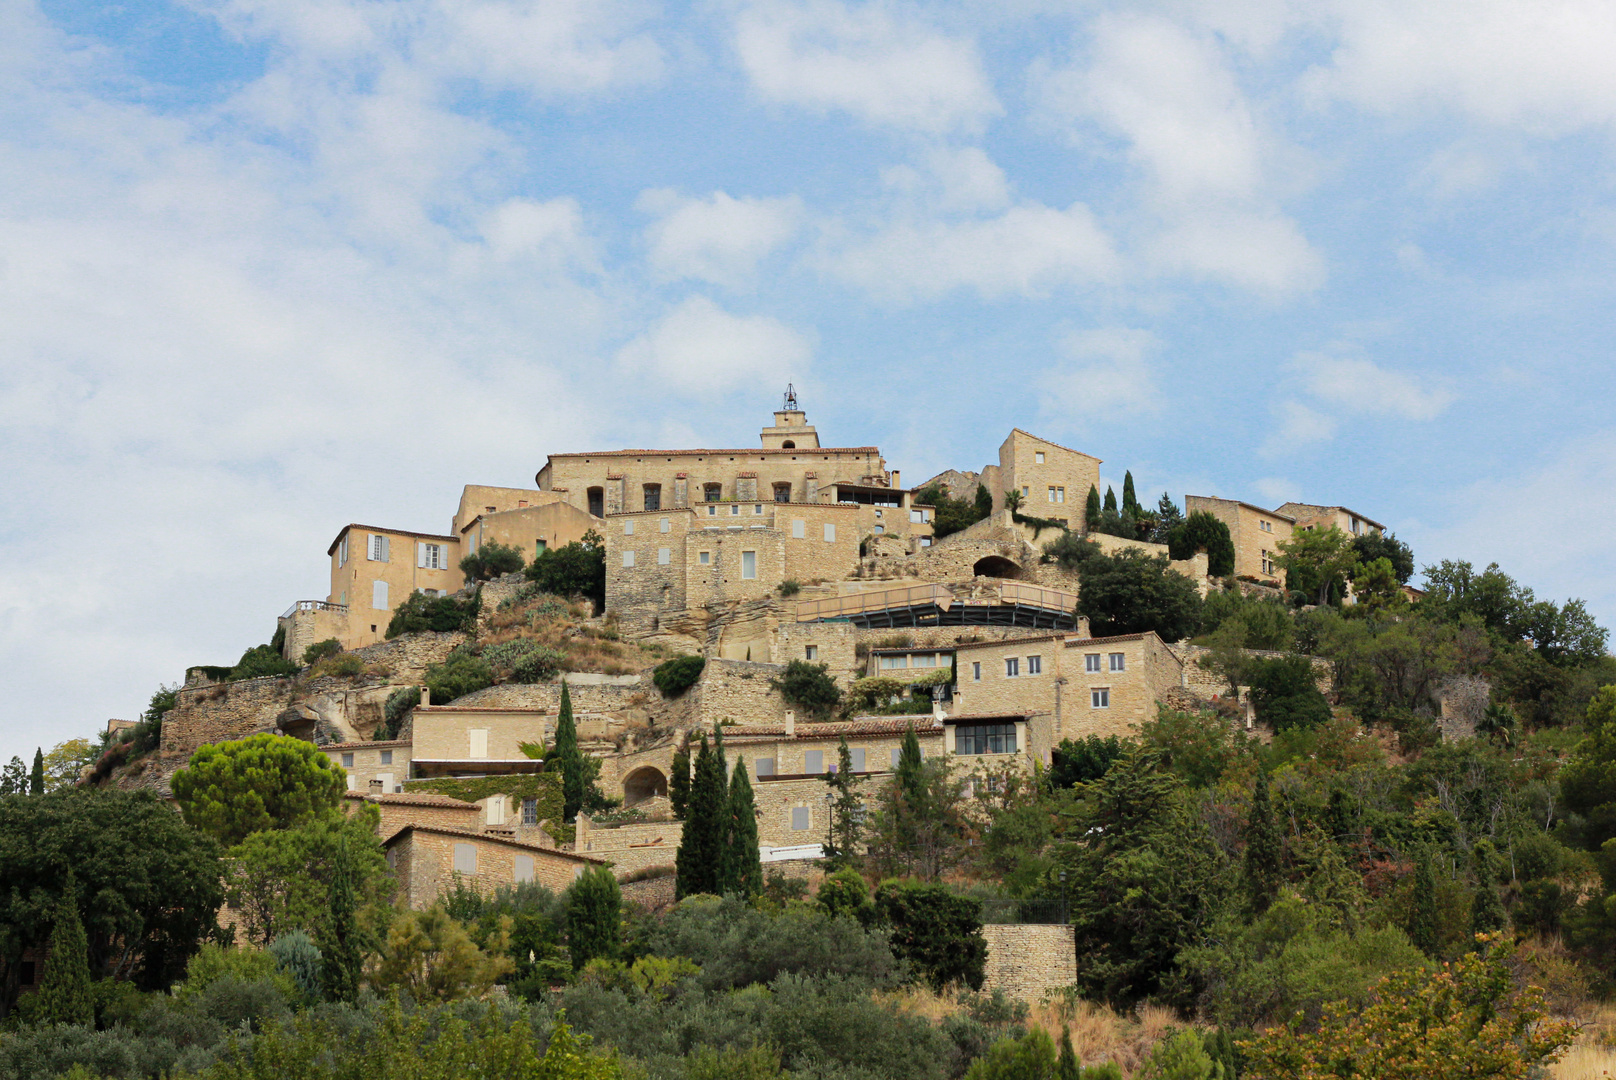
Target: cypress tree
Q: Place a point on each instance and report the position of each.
(568, 757)
(1066, 1067)
(36, 779)
(744, 872)
(1486, 910)
(1130, 501)
(1422, 930)
(679, 782)
(699, 861)
(1261, 865)
(339, 935)
(984, 502)
(910, 763)
(64, 990)
(594, 917)
(1091, 511)
(1110, 502)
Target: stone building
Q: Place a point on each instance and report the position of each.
(1256, 533)
(428, 859)
(380, 766)
(1054, 480)
(1308, 516)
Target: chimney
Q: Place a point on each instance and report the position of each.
(791, 724)
(426, 697)
(896, 483)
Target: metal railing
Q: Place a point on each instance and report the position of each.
(840, 607)
(314, 605)
(1037, 596)
(1026, 909)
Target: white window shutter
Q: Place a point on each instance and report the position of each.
(420, 555)
(378, 595)
(387, 549)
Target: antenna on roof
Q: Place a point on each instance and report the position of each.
(791, 398)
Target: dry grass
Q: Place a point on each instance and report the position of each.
(547, 620)
(1588, 1059)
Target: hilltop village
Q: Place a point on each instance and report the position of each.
(787, 556)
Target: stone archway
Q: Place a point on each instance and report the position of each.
(997, 566)
(645, 782)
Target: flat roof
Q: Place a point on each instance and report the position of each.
(382, 744)
(914, 649)
(389, 532)
(412, 798)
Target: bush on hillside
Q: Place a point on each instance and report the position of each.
(1068, 550)
(809, 687)
(321, 650)
(1131, 592)
(575, 569)
(462, 672)
(441, 614)
(395, 709)
(674, 677)
(492, 560)
(1202, 531)
(1285, 694)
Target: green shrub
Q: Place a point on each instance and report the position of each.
(320, 650)
(539, 664)
(462, 672)
(1201, 530)
(297, 957)
(422, 611)
(395, 709)
(844, 893)
(938, 932)
(809, 687)
(674, 677)
(790, 587)
(347, 665)
(576, 569)
(1285, 693)
(1069, 549)
(260, 661)
(491, 560)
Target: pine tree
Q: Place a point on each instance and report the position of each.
(594, 917)
(64, 990)
(568, 757)
(36, 779)
(1130, 501)
(1486, 910)
(339, 935)
(699, 861)
(744, 872)
(1422, 931)
(1066, 1066)
(984, 502)
(679, 782)
(1092, 511)
(1261, 867)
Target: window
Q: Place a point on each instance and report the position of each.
(1357, 527)
(465, 858)
(799, 818)
(378, 595)
(925, 541)
(735, 511)
(765, 767)
(799, 529)
(628, 559)
(858, 759)
(653, 496)
(1100, 697)
(478, 738)
(830, 533)
(782, 493)
(1012, 666)
(1052, 494)
(1060, 494)
(667, 526)
(1038, 457)
(879, 529)
(878, 515)
(813, 762)
(712, 492)
(387, 757)
(976, 671)
(757, 509)
(1118, 661)
(705, 558)
(539, 547)
(342, 550)
(597, 501)
(1035, 665)
(897, 755)
(664, 556)
(378, 548)
(1265, 526)
(431, 556)
(522, 868)
(1267, 561)
(887, 663)
(985, 739)
(347, 761)
(712, 511)
(628, 528)
(811, 652)
(496, 810)
(1026, 491)
(530, 811)
(1091, 662)
(748, 565)
(923, 660)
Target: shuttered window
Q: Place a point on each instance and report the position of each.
(814, 762)
(799, 818)
(378, 548)
(378, 596)
(465, 858)
(479, 742)
(522, 868)
(830, 533)
(748, 565)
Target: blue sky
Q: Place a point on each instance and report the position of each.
(271, 266)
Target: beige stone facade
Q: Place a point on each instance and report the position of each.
(1030, 962)
(394, 811)
(1256, 533)
(1054, 480)
(373, 570)
(428, 859)
(380, 767)
(477, 500)
(456, 740)
(1308, 516)
(531, 530)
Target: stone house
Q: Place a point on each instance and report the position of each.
(1308, 516)
(451, 740)
(1256, 533)
(1054, 480)
(372, 766)
(373, 570)
(428, 859)
(531, 530)
(396, 810)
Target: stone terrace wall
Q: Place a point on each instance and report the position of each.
(408, 657)
(632, 846)
(209, 714)
(590, 693)
(652, 894)
(1029, 961)
(737, 690)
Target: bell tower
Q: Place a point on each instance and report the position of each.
(791, 429)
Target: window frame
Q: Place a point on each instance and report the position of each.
(1099, 697)
(1012, 667)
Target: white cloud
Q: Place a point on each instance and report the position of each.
(951, 179)
(1362, 386)
(552, 232)
(699, 348)
(1211, 172)
(1299, 426)
(868, 60)
(720, 239)
(1030, 249)
(1278, 490)
(1114, 379)
(1544, 65)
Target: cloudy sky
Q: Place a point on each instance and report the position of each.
(271, 266)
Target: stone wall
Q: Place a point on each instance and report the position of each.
(306, 627)
(423, 859)
(737, 690)
(1030, 961)
(775, 799)
(406, 658)
(630, 847)
(652, 894)
(210, 714)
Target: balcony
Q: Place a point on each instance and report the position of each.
(314, 605)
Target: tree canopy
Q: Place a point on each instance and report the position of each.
(575, 569)
(233, 789)
(1131, 592)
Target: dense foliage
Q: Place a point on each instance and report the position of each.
(423, 611)
(673, 677)
(575, 569)
(492, 560)
(1131, 592)
(232, 789)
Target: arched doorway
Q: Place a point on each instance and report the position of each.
(646, 782)
(997, 566)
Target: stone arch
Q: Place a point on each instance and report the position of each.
(788, 445)
(997, 566)
(645, 782)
